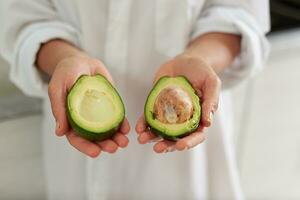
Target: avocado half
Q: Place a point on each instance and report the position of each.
(173, 109)
(94, 107)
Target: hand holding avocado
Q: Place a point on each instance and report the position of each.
(94, 107)
(66, 73)
(205, 82)
(82, 95)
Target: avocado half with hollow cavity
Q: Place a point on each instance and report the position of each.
(95, 109)
(173, 109)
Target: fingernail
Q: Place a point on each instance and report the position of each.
(186, 148)
(211, 114)
(170, 149)
(165, 151)
(154, 140)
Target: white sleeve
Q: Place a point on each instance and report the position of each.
(25, 25)
(237, 20)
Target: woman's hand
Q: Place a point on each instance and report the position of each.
(65, 74)
(204, 58)
(207, 84)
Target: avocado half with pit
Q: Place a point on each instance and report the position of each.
(95, 109)
(173, 109)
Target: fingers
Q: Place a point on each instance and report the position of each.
(57, 95)
(93, 149)
(164, 146)
(118, 140)
(83, 145)
(170, 146)
(108, 146)
(141, 125)
(190, 141)
(146, 137)
(125, 127)
(211, 91)
(121, 140)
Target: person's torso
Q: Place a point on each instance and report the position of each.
(133, 38)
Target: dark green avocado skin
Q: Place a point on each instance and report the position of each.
(91, 136)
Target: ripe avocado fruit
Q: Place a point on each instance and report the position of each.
(95, 109)
(172, 109)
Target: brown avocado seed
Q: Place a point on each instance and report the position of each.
(173, 106)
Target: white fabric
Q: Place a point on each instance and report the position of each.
(254, 49)
(133, 38)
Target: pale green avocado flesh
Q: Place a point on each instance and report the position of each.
(173, 109)
(95, 109)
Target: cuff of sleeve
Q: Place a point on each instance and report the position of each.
(254, 45)
(24, 73)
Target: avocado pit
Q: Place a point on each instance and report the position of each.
(173, 106)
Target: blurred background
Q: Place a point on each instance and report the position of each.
(267, 135)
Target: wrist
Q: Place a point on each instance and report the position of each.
(53, 52)
(218, 50)
(199, 58)
(190, 54)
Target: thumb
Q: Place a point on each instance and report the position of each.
(211, 91)
(58, 105)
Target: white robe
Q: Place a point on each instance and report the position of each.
(133, 37)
